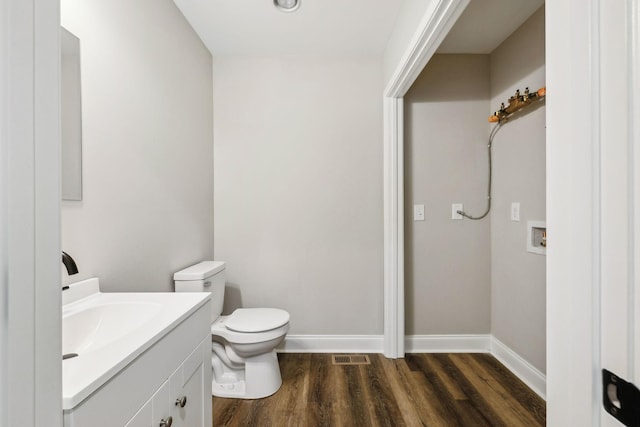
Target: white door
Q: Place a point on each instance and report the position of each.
(620, 203)
(593, 200)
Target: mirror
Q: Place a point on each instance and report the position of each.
(71, 116)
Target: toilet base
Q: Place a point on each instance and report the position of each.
(259, 377)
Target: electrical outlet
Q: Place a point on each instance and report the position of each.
(418, 212)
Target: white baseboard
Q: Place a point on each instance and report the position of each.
(331, 344)
(447, 343)
(482, 343)
(522, 369)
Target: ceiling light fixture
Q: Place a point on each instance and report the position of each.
(287, 5)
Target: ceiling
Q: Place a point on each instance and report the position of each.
(485, 24)
(340, 27)
(256, 27)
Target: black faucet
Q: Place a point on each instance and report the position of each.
(69, 263)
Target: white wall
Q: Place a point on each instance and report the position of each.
(518, 277)
(298, 194)
(447, 262)
(147, 209)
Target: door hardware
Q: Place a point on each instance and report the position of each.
(621, 399)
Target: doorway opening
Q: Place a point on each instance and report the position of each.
(472, 285)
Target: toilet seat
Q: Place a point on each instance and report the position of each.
(219, 329)
(253, 320)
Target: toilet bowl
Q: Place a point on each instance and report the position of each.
(243, 356)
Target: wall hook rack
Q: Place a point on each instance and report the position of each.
(516, 103)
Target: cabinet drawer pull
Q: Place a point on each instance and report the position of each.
(167, 422)
(181, 401)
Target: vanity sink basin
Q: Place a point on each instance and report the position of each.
(93, 327)
(102, 332)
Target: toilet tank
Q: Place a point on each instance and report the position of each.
(206, 276)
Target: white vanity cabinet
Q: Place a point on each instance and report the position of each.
(183, 400)
(174, 370)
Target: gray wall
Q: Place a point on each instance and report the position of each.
(298, 188)
(147, 145)
(518, 277)
(447, 262)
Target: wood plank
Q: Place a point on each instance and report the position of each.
(521, 393)
(413, 399)
(494, 393)
(454, 413)
(318, 399)
(383, 407)
(476, 409)
(290, 402)
(421, 390)
(447, 373)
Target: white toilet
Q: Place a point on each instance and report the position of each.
(245, 364)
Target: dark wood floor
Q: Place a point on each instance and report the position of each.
(420, 390)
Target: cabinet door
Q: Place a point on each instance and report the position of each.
(162, 404)
(184, 397)
(188, 387)
(156, 409)
(143, 418)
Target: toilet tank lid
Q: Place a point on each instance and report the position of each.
(199, 271)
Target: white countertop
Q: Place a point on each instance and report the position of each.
(98, 361)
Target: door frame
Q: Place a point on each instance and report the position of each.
(30, 267)
(573, 186)
(435, 25)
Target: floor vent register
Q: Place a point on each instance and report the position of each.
(350, 359)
